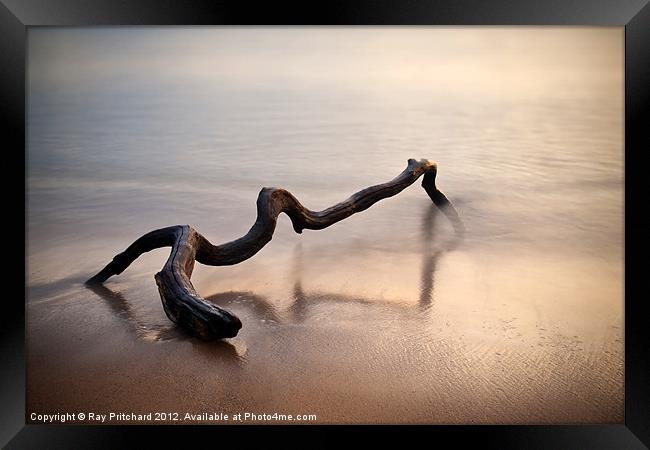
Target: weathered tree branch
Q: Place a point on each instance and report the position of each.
(179, 298)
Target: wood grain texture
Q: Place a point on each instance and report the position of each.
(184, 306)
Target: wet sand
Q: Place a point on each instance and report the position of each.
(443, 337)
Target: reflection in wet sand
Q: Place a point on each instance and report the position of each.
(119, 305)
(263, 308)
(152, 332)
(122, 309)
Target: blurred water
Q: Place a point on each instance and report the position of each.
(133, 129)
(122, 151)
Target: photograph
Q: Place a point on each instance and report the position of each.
(256, 225)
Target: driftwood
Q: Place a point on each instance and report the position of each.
(179, 298)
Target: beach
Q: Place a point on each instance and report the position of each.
(385, 317)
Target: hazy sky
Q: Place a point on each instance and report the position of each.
(515, 59)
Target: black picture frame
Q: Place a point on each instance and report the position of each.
(634, 15)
